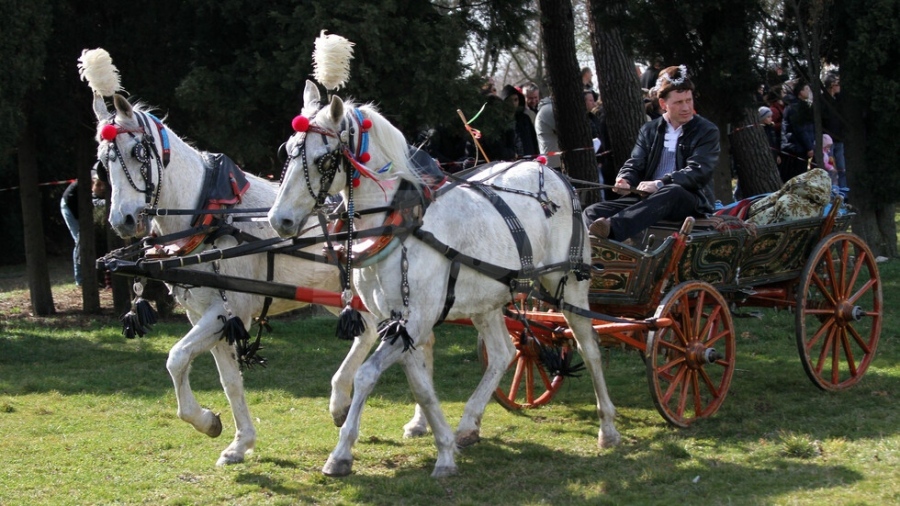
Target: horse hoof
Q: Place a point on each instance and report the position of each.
(609, 440)
(412, 431)
(337, 468)
(228, 459)
(216, 429)
(444, 471)
(340, 418)
(467, 439)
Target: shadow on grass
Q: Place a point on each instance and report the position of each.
(496, 471)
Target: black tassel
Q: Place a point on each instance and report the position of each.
(236, 335)
(350, 324)
(558, 363)
(146, 314)
(131, 325)
(393, 328)
(549, 207)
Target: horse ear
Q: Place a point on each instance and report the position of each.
(337, 109)
(311, 96)
(122, 105)
(100, 109)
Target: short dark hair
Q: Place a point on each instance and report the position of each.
(671, 79)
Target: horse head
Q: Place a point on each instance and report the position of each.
(133, 147)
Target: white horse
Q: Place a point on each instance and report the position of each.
(462, 218)
(178, 185)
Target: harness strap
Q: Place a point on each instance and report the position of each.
(523, 245)
(501, 274)
(450, 299)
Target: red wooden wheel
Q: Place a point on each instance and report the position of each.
(839, 311)
(526, 384)
(690, 363)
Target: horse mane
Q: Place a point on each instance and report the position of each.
(391, 142)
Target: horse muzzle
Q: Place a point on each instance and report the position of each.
(129, 225)
(285, 224)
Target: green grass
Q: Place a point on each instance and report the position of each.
(88, 417)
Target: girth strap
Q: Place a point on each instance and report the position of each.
(450, 299)
(523, 244)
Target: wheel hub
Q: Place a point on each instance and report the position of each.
(697, 355)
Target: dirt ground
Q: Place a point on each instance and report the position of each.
(15, 299)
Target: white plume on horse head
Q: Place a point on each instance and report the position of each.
(331, 60)
(96, 67)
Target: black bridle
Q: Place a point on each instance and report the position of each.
(145, 151)
(351, 131)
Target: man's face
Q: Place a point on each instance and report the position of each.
(589, 101)
(532, 99)
(679, 106)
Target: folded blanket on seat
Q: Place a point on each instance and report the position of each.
(804, 196)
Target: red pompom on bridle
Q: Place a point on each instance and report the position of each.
(109, 132)
(300, 123)
(366, 124)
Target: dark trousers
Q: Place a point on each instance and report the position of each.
(630, 215)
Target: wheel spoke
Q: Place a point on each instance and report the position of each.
(673, 385)
(823, 289)
(517, 377)
(829, 261)
(835, 358)
(860, 263)
(713, 389)
(698, 317)
(845, 257)
(824, 353)
(859, 340)
(862, 291)
(826, 325)
(683, 396)
(698, 402)
(848, 353)
(529, 382)
(545, 378)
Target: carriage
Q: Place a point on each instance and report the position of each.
(679, 289)
(670, 297)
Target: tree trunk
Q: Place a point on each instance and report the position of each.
(572, 128)
(90, 294)
(754, 160)
(32, 220)
(620, 89)
(874, 220)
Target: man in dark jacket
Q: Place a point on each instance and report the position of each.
(671, 165)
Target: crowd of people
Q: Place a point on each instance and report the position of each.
(670, 171)
(786, 115)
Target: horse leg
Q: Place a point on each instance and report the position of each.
(342, 381)
(492, 332)
(198, 340)
(589, 348)
(340, 461)
(419, 376)
(418, 426)
(233, 384)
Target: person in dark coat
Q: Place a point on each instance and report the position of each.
(672, 164)
(798, 138)
(526, 138)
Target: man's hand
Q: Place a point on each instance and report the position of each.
(622, 183)
(649, 186)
